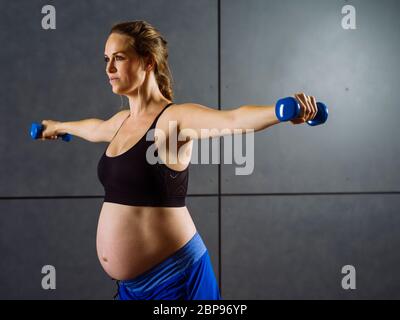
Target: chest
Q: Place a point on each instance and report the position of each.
(174, 153)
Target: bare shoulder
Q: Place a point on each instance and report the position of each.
(179, 112)
(176, 111)
(178, 108)
(116, 120)
(169, 113)
(109, 127)
(120, 116)
(168, 120)
(185, 109)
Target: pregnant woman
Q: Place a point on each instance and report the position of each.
(146, 238)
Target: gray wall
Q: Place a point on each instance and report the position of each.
(319, 198)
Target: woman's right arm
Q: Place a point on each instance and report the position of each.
(93, 130)
(86, 129)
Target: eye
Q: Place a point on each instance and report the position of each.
(116, 58)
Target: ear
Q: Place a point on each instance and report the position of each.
(149, 64)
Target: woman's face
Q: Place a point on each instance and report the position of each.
(123, 64)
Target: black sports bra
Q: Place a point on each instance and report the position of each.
(130, 179)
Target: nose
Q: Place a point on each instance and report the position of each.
(110, 68)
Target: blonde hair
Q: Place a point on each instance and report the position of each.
(147, 42)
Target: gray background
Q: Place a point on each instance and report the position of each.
(319, 198)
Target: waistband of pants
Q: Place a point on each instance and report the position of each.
(189, 254)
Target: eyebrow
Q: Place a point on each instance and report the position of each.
(116, 52)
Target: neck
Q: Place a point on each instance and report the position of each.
(147, 98)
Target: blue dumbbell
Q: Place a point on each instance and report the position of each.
(37, 128)
(288, 109)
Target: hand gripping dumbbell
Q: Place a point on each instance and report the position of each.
(289, 108)
(37, 128)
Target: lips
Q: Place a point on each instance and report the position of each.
(112, 80)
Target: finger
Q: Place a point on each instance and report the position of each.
(310, 110)
(302, 96)
(303, 106)
(315, 108)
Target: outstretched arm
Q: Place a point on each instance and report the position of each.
(197, 121)
(93, 130)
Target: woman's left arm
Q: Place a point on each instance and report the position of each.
(196, 121)
(199, 122)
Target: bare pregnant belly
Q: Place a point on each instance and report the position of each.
(131, 240)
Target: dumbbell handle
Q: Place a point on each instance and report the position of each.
(288, 109)
(37, 128)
